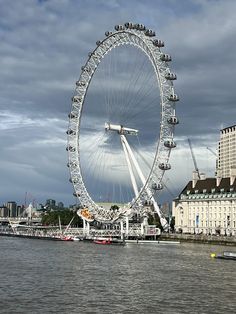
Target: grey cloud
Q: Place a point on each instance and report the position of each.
(43, 46)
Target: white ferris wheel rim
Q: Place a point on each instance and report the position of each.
(130, 34)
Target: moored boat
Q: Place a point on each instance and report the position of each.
(225, 255)
(102, 241)
(107, 241)
(66, 238)
(76, 238)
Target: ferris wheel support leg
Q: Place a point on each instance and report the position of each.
(88, 228)
(127, 226)
(84, 226)
(142, 229)
(131, 155)
(133, 181)
(163, 221)
(143, 225)
(122, 230)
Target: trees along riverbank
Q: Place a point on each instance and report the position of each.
(51, 218)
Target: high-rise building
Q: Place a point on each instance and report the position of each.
(226, 163)
(12, 207)
(50, 203)
(60, 205)
(4, 211)
(20, 210)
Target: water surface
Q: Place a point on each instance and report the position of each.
(38, 276)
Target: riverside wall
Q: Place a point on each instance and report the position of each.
(199, 238)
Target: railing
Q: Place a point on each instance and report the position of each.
(19, 219)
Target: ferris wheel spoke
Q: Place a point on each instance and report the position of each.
(127, 95)
(130, 96)
(141, 97)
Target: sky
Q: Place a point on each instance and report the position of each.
(45, 43)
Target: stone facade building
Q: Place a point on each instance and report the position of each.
(206, 206)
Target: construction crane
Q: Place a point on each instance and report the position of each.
(212, 151)
(194, 159)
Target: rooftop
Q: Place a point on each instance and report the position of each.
(228, 128)
(208, 185)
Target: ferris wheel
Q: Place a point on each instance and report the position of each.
(121, 125)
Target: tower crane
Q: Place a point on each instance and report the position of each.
(194, 159)
(212, 151)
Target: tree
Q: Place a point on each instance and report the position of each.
(172, 224)
(114, 207)
(154, 220)
(52, 218)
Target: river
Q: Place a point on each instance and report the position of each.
(39, 276)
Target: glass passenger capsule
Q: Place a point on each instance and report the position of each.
(170, 144)
(157, 187)
(173, 97)
(165, 57)
(158, 43)
(164, 166)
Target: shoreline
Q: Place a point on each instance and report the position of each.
(164, 238)
(28, 236)
(201, 239)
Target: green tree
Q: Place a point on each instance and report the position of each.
(172, 224)
(51, 218)
(114, 207)
(154, 220)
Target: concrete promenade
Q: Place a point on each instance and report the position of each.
(199, 238)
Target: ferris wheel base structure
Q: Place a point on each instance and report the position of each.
(123, 230)
(138, 36)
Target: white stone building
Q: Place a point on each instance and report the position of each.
(206, 206)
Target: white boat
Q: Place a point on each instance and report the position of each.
(225, 255)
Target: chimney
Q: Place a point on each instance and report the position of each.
(232, 175)
(218, 179)
(202, 176)
(195, 179)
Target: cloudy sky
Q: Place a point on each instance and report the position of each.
(45, 43)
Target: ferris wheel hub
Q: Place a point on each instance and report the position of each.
(120, 129)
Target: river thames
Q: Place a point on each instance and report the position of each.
(39, 276)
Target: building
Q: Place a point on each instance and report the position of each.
(60, 205)
(206, 206)
(20, 210)
(12, 209)
(50, 204)
(226, 162)
(4, 211)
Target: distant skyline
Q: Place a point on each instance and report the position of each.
(45, 43)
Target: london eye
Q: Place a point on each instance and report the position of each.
(121, 125)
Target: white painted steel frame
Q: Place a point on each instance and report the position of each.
(131, 157)
(145, 43)
(127, 157)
